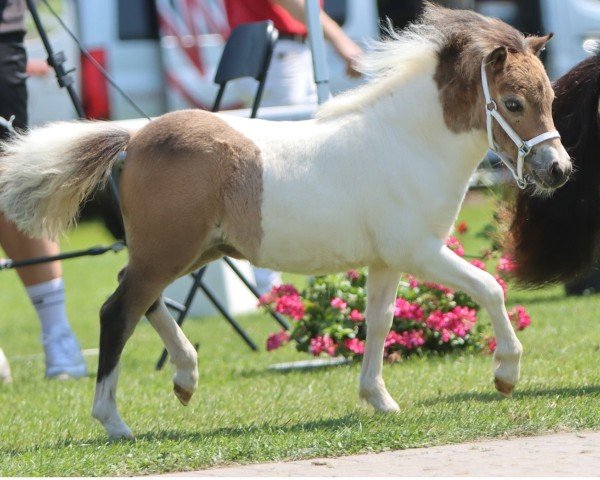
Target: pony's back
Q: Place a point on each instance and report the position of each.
(554, 239)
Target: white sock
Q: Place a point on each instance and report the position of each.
(48, 298)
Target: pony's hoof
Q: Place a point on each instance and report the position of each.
(119, 433)
(381, 402)
(504, 387)
(182, 394)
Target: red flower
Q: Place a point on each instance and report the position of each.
(338, 303)
(478, 263)
(278, 339)
(519, 317)
(355, 345)
(502, 284)
(353, 274)
(409, 339)
(409, 311)
(290, 305)
(506, 264)
(454, 244)
(322, 344)
(462, 227)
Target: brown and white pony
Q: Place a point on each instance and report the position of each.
(554, 239)
(376, 179)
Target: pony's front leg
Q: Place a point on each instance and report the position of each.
(440, 264)
(382, 285)
(183, 355)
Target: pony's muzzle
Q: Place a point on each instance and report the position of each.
(551, 166)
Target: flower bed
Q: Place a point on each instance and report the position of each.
(328, 317)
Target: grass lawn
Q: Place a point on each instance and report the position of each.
(244, 413)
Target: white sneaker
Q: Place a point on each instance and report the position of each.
(5, 376)
(63, 356)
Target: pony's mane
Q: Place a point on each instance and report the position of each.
(408, 52)
(555, 239)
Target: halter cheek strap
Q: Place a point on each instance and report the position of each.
(524, 146)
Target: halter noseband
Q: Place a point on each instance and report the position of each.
(524, 146)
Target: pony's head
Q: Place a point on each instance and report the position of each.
(518, 108)
(490, 78)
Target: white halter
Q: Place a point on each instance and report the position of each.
(524, 147)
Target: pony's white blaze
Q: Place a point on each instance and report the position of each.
(360, 189)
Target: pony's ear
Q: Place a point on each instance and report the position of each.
(497, 58)
(538, 44)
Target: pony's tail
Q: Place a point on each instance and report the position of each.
(557, 238)
(46, 173)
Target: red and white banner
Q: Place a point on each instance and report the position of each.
(193, 33)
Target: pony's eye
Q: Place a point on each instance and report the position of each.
(513, 105)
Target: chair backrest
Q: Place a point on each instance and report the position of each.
(247, 53)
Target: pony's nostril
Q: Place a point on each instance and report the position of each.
(556, 172)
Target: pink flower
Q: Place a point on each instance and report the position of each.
(290, 305)
(276, 292)
(413, 282)
(437, 286)
(355, 345)
(519, 317)
(462, 227)
(338, 303)
(353, 274)
(409, 339)
(322, 344)
(478, 263)
(502, 284)
(459, 322)
(506, 264)
(356, 316)
(492, 344)
(409, 311)
(276, 340)
(454, 244)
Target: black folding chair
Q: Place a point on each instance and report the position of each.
(247, 53)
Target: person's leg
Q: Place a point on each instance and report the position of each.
(43, 282)
(5, 376)
(290, 76)
(45, 289)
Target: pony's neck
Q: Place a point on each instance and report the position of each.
(412, 114)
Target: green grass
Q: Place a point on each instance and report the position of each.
(245, 413)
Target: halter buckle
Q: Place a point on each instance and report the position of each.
(491, 106)
(524, 150)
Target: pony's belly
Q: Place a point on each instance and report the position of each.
(312, 253)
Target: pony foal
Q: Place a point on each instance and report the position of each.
(376, 179)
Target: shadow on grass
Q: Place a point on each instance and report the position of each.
(333, 424)
(493, 396)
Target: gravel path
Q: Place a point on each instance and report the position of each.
(565, 454)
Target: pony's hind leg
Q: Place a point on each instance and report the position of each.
(382, 285)
(440, 264)
(182, 353)
(118, 317)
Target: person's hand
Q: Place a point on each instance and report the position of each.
(351, 53)
(37, 67)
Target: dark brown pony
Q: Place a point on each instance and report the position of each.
(554, 239)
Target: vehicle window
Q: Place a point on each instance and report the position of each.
(336, 9)
(137, 20)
